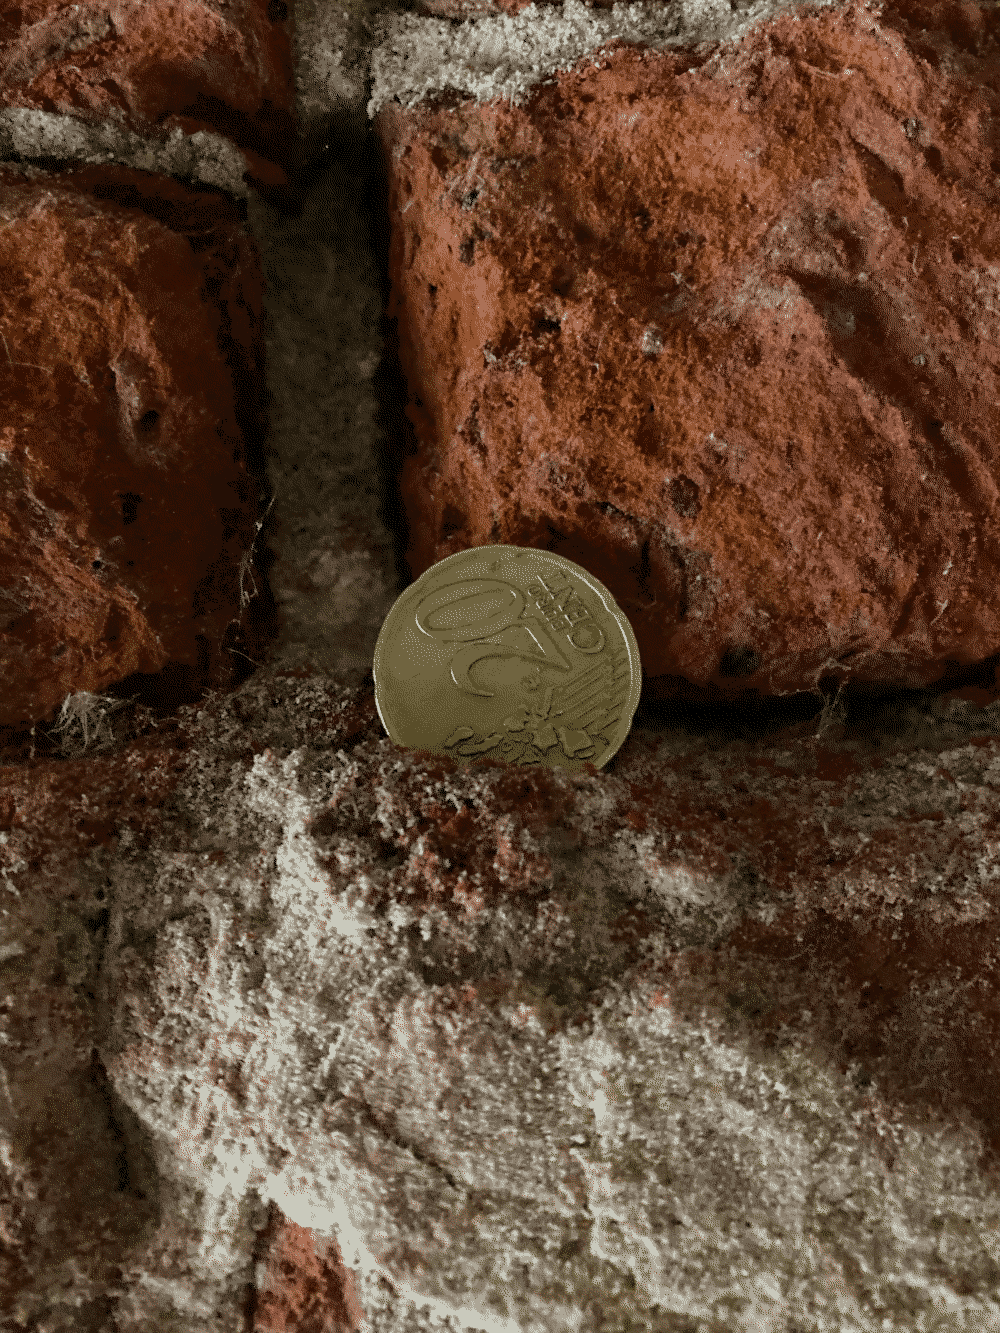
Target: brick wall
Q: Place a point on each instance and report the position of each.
(300, 1030)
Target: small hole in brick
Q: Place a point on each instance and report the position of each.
(934, 432)
(684, 497)
(277, 11)
(130, 505)
(113, 626)
(739, 660)
(96, 564)
(543, 324)
(148, 420)
(453, 520)
(562, 281)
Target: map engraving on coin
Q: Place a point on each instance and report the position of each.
(508, 653)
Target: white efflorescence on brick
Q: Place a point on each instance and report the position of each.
(206, 158)
(332, 44)
(502, 56)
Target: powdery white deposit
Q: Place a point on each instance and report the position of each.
(502, 56)
(417, 1014)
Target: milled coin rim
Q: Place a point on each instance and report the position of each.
(607, 600)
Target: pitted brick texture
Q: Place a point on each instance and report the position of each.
(130, 364)
(724, 331)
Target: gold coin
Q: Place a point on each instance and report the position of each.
(509, 653)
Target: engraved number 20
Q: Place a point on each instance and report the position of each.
(487, 616)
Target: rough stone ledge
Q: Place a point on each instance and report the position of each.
(515, 1051)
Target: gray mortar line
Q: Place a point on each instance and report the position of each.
(504, 57)
(203, 157)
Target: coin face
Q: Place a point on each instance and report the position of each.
(508, 653)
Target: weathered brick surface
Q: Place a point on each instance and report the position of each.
(130, 377)
(82, 1195)
(346, 1030)
(429, 1014)
(157, 65)
(77, 1188)
(723, 328)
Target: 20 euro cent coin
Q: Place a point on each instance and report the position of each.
(509, 653)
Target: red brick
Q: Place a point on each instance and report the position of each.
(130, 372)
(634, 331)
(302, 1285)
